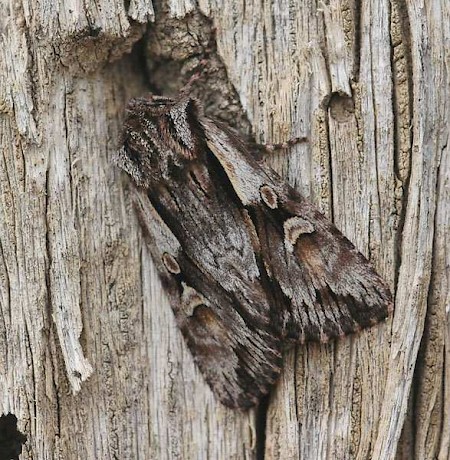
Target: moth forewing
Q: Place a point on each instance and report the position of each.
(329, 288)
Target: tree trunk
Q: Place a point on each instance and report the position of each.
(91, 363)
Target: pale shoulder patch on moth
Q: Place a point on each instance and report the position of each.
(181, 124)
(246, 180)
(293, 228)
(151, 220)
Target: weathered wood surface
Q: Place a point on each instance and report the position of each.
(91, 362)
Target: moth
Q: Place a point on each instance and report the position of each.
(248, 264)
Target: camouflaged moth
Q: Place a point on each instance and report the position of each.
(248, 264)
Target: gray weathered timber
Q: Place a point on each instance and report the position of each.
(91, 362)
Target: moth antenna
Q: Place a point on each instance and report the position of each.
(186, 89)
(211, 45)
(261, 149)
(284, 145)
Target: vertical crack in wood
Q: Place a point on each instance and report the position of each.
(260, 426)
(403, 135)
(296, 395)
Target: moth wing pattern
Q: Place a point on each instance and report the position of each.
(239, 359)
(327, 288)
(331, 290)
(246, 262)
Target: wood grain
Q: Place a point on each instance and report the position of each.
(80, 305)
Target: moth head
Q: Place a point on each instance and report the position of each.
(159, 134)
